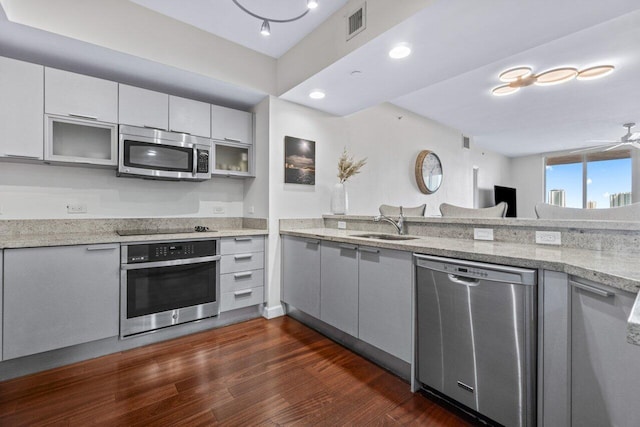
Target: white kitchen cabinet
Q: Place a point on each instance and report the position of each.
(76, 95)
(384, 300)
(232, 159)
(143, 108)
(231, 125)
(339, 286)
(56, 297)
(189, 116)
(74, 140)
(241, 272)
(605, 373)
(22, 95)
(301, 274)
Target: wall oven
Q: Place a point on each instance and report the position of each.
(156, 154)
(165, 284)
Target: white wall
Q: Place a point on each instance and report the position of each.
(391, 146)
(527, 176)
(29, 191)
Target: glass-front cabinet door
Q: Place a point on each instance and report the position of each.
(73, 140)
(233, 159)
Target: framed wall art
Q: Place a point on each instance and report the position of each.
(299, 161)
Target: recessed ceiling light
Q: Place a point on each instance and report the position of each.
(400, 51)
(504, 90)
(556, 76)
(596, 72)
(514, 74)
(312, 4)
(316, 94)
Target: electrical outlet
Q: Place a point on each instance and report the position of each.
(219, 210)
(483, 233)
(252, 210)
(77, 208)
(548, 237)
(342, 225)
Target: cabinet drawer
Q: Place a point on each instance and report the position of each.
(241, 280)
(240, 244)
(241, 298)
(241, 262)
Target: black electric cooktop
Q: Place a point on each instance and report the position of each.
(145, 232)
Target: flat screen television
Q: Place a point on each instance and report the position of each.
(508, 195)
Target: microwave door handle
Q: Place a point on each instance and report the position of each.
(195, 162)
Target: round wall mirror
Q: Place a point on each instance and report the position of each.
(428, 172)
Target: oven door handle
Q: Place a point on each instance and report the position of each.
(170, 263)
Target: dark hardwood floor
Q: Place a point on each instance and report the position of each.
(276, 372)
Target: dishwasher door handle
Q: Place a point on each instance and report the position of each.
(461, 280)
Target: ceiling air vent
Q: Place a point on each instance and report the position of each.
(357, 21)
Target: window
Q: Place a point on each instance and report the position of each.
(592, 181)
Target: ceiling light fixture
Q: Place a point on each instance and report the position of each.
(316, 94)
(523, 76)
(400, 51)
(265, 29)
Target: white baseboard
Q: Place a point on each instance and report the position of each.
(273, 312)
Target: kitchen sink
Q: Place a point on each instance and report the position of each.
(384, 236)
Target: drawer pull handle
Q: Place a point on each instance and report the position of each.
(243, 275)
(312, 242)
(83, 116)
(243, 293)
(369, 250)
(591, 289)
(243, 239)
(349, 247)
(101, 248)
(243, 256)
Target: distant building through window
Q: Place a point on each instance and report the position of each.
(591, 180)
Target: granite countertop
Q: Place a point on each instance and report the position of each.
(28, 240)
(616, 269)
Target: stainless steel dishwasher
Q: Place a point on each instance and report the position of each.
(476, 329)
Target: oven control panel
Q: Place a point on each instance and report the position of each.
(169, 251)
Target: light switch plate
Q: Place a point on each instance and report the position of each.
(77, 208)
(342, 225)
(483, 233)
(548, 237)
(219, 210)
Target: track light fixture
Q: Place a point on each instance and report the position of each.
(520, 77)
(265, 29)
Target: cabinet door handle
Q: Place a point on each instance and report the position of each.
(369, 250)
(101, 247)
(349, 247)
(312, 242)
(232, 139)
(243, 239)
(83, 116)
(243, 293)
(591, 289)
(180, 131)
(243, 256)
(20, 156)
(243, 275)
(152, 127)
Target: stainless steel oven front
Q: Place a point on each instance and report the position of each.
(168, 283)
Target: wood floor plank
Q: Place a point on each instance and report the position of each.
(259, 372)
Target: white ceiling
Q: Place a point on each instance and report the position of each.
(224, 19)
(459, 48)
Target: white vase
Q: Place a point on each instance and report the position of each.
(339, 199)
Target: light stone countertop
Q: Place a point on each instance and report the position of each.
(10, 241)
(615, 269)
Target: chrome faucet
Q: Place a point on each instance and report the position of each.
(397, 224)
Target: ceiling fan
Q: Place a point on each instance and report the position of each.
(630, 139)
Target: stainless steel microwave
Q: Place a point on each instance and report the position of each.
(156, 154)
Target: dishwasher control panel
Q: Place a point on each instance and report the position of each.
(467, 271)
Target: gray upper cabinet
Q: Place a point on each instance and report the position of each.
(142, 107)
(605, 368)
(21, 124)
(385, 310)
(232, 125)
(59, 296)
(189, 116)
(301, 274)
(76, 95)
(339, 286)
